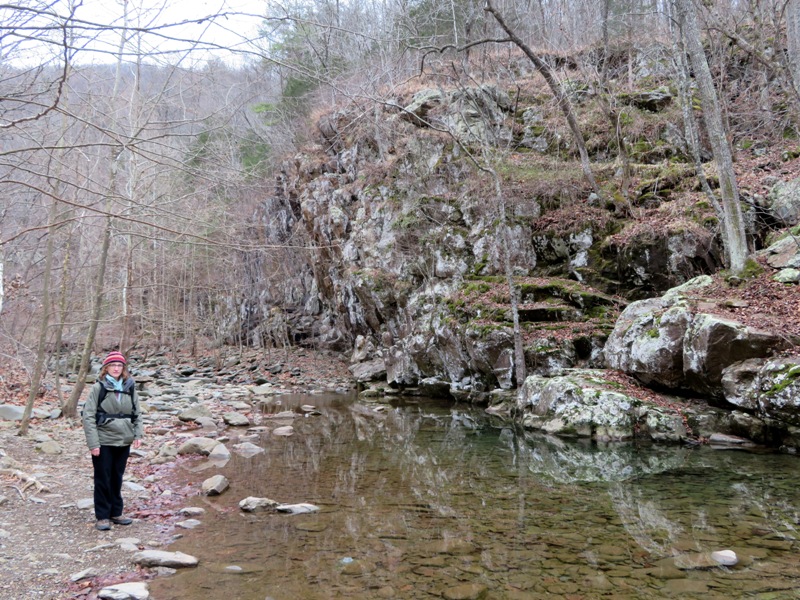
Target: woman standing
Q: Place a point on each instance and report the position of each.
(112, 422)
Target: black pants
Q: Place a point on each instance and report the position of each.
(109, 468)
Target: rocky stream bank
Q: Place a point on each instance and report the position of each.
(49, 548)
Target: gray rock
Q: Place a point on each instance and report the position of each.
(713, 343)
(783, 202)
(188, 524)
(784, 254)
(85, 574)
(125, 591)
(85, 503)
(220, 452)
(254, 504)
(192, 511)
(49, 447)
(297, 509)
(161, 558)
(214, 486)
(11, 412)
(195, 412)
(768, 387)
(373, 370)
(263, 390)
(247, 449)
(235, 419)
(581, 403)
(198, 445)
(787, 276)
(284, 431)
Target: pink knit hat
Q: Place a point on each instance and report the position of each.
(114, 357)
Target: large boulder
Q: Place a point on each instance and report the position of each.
(767, 388)
(668, 342)
(712, 344)
(647, 341)
(783, 202)
(581, 403)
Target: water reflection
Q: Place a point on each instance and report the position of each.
(430, 500)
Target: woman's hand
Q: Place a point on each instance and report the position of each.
(137, 444)
(95, 451)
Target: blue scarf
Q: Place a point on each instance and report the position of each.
(115, 383)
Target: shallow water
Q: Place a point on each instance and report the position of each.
(434, 500)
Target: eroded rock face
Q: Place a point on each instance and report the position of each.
(655, 261)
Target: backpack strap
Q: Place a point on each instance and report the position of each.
(101, 416)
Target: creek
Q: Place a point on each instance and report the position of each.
(428, 499)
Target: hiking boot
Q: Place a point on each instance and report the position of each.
(102, 525)
(121, 520)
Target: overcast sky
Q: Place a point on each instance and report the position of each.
(160, 16)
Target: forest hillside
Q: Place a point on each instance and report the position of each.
(459, 198)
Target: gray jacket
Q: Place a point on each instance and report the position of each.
(115, 432)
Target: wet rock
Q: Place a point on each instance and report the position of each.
(263, 390)
(198, 445)
(254, 504)
(188, 524)
(247, 449)
(125, 591)
(161, 558)
(192, 511)
(235, 419)
(214, 486)
(297, 509)
(579, 403)
(454, 547)
(729, 441)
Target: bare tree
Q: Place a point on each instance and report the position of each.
(733, 221)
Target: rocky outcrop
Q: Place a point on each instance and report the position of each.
(670, 342)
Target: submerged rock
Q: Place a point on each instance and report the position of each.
(297, 509)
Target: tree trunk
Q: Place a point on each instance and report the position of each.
(41, 348)
(733, 221)
(70, 409)
(555, 87)
(793, 41)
